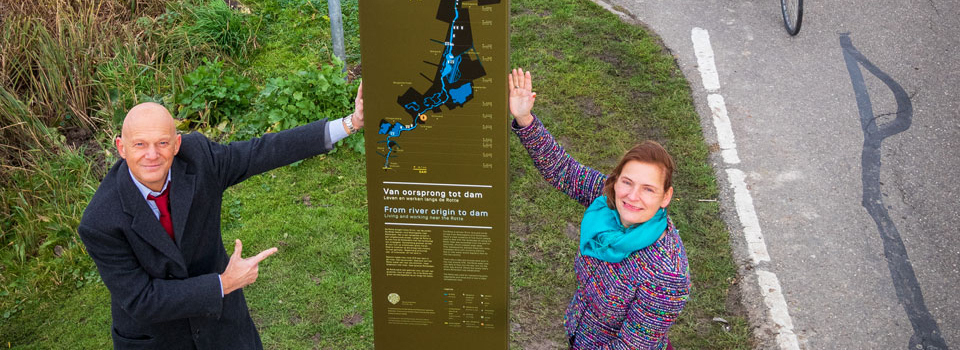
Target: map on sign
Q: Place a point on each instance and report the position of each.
(451, 84)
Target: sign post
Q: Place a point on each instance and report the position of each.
(435, 101)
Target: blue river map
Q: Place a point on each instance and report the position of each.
(452, 85)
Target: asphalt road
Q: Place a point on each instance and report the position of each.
(849, 137)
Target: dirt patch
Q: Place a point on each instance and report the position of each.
(734, 301)
(351, 320)
(536, 255)
(317, 338)
(532, 12)
(306, 200)
(517, 172)
(588, 106)
(542, 344)
(650, 132)
(620, 68)
(703, 327)
(641, 96)
(236, 5)
(714, 147)
(295, 319)
(80, 138)
(257, 321)
(520, 230)
(611, 58)
(361, 254)
(536, 322)
(573, 231)
(77, 136)
(353, 73)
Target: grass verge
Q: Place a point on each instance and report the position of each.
(603, 85)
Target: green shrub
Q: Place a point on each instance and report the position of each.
(305, 96)
(213, 95)
(41, 205)
(151, 60)
(126, 81)
(295, 33)
(354, 142)
(214, 22)
(44, 204)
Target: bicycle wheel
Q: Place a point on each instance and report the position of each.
(792, 15)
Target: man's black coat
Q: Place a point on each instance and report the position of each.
(166, 294)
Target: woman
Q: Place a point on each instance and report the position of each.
(632, 274)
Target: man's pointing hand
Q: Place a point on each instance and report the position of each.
(241, 272)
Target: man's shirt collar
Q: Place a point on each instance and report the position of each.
(144, 190)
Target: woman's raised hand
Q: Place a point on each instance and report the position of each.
(521, 96)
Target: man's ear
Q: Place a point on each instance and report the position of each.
(119, 142)
(667, 196)
(176, 145)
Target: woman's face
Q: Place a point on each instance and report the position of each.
(639, 192)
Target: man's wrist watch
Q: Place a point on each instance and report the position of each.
(348, 121)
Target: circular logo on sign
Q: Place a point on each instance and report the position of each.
(393, 298)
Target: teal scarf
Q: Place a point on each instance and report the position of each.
(602, 236)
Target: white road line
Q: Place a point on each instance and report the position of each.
(704, 52)
(773, 297)
(728, 147)
(748, 216)
(757, 248)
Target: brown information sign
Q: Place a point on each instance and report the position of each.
(435, 103)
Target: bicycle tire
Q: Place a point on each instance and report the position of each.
(792, 11)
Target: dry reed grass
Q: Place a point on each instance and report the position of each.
(50, 55)
(50, 51)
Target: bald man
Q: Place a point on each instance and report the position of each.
(153, 229)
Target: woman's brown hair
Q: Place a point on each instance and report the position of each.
(649, 152)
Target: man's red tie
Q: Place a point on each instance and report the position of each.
(163, 205)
